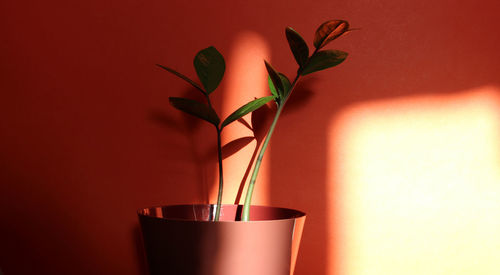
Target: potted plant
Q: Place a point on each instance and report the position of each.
(231, 239)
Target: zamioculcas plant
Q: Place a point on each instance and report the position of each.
(210, 66)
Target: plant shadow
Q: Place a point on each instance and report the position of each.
(190, 128)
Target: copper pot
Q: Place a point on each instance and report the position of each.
(181, 240)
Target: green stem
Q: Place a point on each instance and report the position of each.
(219, 155)
(245, 216)
(248, 198)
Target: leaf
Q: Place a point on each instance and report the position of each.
(298, 46)
(210, 66)
(272, 88)
(275, 78)
(286, 88)
(286, 85)
(196, 109)
(329, 31)
(245, 109)
(275, 94)
(324, 60)
(187, 79)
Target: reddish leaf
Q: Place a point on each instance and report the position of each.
(329, 31)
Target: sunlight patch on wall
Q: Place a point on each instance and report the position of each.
(245, 79)
(417, 185)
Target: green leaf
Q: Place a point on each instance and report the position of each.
(275, 78)
(298, 46)
(187, 79)
(324, 60)
(196, 109)
(286, 85)
(210, 66)
(245, 109)
(285, 82)
(272, 88)
(329, 31)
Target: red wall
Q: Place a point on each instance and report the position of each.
(87, 136)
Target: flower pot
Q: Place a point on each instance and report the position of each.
(180, 240)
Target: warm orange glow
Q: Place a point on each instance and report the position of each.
(419, 182)
(245, 79)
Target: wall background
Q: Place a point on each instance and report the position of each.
(87, 137)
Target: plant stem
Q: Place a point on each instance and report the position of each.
(248, 198)
(219, 155)
(245, 216)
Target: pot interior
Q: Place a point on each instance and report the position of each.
(229, 212)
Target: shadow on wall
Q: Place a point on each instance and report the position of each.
(140, 253)
(193, 130)
(32, 233)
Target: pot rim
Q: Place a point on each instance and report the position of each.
(296, 214)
